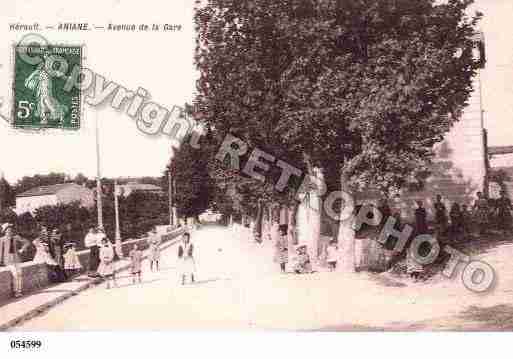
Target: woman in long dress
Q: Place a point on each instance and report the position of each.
(154, 255)
(106, 268)
(187, 264)
(41, 255)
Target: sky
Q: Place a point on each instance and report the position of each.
(162, 63)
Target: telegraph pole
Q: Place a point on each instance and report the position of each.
(175, 214)
(3, 192)
(119, 248)
(170, 193)
(116, 209)
(98, 178)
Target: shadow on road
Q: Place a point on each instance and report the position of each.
(136, 284)
(495, 318)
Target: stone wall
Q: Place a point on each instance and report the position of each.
(35, 276)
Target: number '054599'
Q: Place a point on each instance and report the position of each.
(26, 344)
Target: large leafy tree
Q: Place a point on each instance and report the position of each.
(7, 194)
(190, 172)
(362, 89)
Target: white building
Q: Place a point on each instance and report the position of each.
(64, 193)
(126, 189)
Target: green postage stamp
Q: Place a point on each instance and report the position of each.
(40, 98)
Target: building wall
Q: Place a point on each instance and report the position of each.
(458, 170)
(76, 193)
(29, 204)
(502, 160)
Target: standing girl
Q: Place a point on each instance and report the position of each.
(332, 255)
(106, 268)
(154, 255)
(71, 262)
(282, 251)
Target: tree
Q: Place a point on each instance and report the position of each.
(194, 187)
(7, 194)
(29, 182)
(81, 179)
(361, 89)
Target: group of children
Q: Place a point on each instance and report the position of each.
(62, 263)
(302, 263)
(186, 266)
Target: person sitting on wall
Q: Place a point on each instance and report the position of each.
(55, 272)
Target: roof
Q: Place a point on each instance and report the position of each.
(142, 186)
(500, 150)
(47, 190)
(507, 170)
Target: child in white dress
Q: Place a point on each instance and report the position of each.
(71, 262)
(106, 268)
(332, 255)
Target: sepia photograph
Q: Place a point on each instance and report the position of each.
(321, 167)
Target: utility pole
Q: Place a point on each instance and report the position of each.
(175, 214)
(170, 194)
(116, 209)
(98, 178)
(118, 247)
(3, 192)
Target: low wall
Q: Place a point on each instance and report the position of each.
(35, 275)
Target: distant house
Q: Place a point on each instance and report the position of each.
(126, 189)
(64, 193)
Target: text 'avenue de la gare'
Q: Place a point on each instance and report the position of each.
(85, 26)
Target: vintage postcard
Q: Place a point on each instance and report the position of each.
(306, 166)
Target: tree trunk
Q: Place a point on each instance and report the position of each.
(293, 223)
(314, 209)
(316, 213)
(257, 229)
(346, 235)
